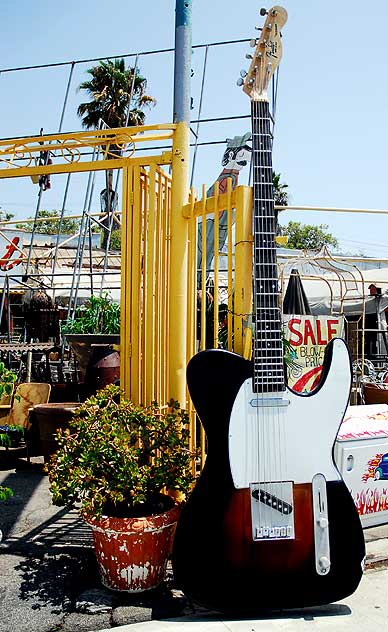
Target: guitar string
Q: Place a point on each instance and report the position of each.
(256, 427)
(270, 325)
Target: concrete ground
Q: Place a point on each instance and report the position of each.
(49, 579)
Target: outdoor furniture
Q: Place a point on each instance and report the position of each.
(52, 417)
(17, 416)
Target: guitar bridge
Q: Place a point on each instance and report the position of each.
(272, 511)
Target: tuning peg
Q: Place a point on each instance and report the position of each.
(263, 11)
(253, 43)
(240, 81)
(248, 56)
(243, 73)
(258, 28)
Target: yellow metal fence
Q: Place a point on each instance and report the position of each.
(221, 320)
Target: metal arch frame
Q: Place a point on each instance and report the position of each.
(19, 157)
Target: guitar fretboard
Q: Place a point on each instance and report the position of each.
(267, 347)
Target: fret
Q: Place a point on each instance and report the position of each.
(261, 200)
(270, 364)
(269, 382)
(269, 331)
(260, 308)
(269, 358)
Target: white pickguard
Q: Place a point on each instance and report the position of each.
(290, 442)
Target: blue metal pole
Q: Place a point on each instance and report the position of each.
(182, 65)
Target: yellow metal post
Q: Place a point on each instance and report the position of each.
(243, 268)
(178, 265)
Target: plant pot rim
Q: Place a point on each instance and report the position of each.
(133, 525)
(91, 338)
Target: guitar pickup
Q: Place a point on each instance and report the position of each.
(272, 511)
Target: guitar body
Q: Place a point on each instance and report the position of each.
(216, 560)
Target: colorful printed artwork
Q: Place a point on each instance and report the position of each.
(371, 501)
(372, 465)
(308, 337)
(236, 156)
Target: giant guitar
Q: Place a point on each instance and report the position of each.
(270, 523)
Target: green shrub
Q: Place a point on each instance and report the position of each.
(117, 457)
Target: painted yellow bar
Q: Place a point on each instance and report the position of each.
(203, 271)
(85, 136)
(210, 205)
(243, 265)
(165, 275)
(150, 316)
(125, 303)
(143, 287)
(134, 287)
(192, 285)
(178, 265)
(229, 211)
(216, 249)
(98, 165)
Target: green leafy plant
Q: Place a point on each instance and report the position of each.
(5, 493)
(7, 385)
(117, 457)
(7, 380)
(100, 315)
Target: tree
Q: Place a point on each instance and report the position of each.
(307, 236)
(279, 190)
(5, 216)
(110, 89)
(50, 226)
(113, 89)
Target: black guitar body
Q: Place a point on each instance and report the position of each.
(216, 562)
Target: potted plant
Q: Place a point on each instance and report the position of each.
(9, 435)
(117, 460)
(93, 334)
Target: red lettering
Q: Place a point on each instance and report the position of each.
(297, 333)
(309, 333)
(10, 249)
(321, 341)
(332, 331)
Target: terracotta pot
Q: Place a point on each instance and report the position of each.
(132, 552)
(51, 417)
(98, 361)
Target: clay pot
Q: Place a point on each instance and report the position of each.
(51, 417)
(132, 553)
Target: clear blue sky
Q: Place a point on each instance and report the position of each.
(331, 136)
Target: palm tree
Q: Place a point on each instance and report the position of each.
(118, 99)
(110, 89)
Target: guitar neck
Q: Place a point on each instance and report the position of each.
(267, 346)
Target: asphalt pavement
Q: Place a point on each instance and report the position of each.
(49, 579)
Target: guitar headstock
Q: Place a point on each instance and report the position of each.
(267, 55)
